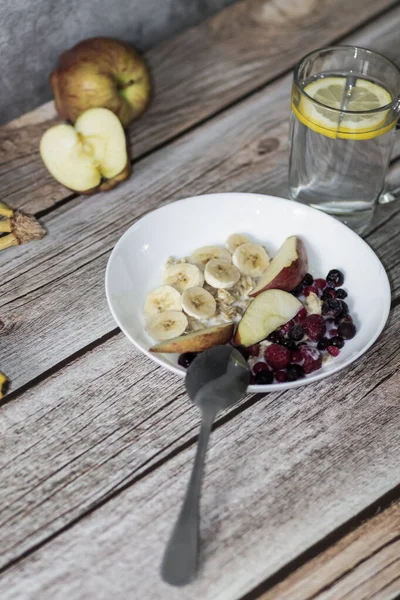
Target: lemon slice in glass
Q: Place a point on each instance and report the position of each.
(364, 96)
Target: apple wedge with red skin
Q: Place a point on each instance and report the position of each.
(197, 341)
(265, 313)
(286, 269)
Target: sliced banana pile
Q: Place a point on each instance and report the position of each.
(251, 259)
(203, 255)
(183, 292)
(219, 273)
(198, 303)
(167, 325)
(183, 276)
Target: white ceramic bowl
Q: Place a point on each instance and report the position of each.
(136, 264)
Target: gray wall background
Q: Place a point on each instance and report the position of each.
(34, 32)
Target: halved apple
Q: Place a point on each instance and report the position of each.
(286, 269)
(90, 156)
(197, 341)
(269, 310)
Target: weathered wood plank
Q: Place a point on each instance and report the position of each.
(364, 564)
(53, 290)
(231, 54)
(280, 476)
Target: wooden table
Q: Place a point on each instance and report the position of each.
(301, 496)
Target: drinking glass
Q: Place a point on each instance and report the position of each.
(345, 107)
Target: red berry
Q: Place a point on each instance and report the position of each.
(314, 327)
(310, 288)
(333, 332)
(277, 356)
(260, 366)
(254, 350)
(333, 350)
(287, 327)
(312, 359)
(320, 283)
(296, 356)
(300, 315)
(281, 376)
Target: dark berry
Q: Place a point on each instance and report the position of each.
(347, 330)
(286, 327)
(245, 352)
(260, 366)
(335, 278)
(289, 344)
(307, 279)
(310, 288)
(312, 359)
(277, 356)
(296, 356)
(343, 319)
(300, 315)
(333, 351)
(323, 343)
(337, 341)
(294, 372)
(297, 332)
(341, 294)
(281, 376)
(275, 337)
(320, 283)
(314, 327)
(332, 307)
(328, 292)
(254, 350)
(345, 308)
(186, 359)
(333, 332)
(263, 378)
(298, 290)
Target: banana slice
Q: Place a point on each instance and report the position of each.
(167, 325)
(206, 253)
(161, 299)
(198, 303)
(235, 240)
(251, 259)
(183, 276)
(221, 274)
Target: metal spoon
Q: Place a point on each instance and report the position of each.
(215, 380)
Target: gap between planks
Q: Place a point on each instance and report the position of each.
(327, 452)
(61, 297)
(248, 32)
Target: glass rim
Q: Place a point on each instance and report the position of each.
(296, 81)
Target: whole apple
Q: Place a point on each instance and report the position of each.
(101, 72)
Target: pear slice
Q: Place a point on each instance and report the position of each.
(89, 156)
(197, 341)
(265, 313)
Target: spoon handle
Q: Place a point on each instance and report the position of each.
(180, 559)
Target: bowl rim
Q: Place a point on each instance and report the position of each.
(386, 292)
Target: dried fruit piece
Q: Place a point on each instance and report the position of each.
(4, 385)
(21, 228)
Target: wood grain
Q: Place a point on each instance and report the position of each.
(363, 565)
(233, 53)
(279, 477)
(54, 290)
(66, 268)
